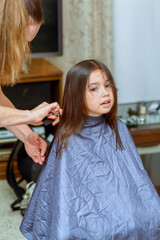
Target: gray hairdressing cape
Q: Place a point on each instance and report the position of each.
(94, 192)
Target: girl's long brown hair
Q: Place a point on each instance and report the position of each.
(14, 20)
(73, 105)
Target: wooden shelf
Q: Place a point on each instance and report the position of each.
(42, 70)
(144, 136)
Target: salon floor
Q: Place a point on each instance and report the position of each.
(9, 220)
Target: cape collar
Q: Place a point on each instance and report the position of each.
(96, 126)
(94, 121)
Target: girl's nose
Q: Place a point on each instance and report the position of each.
(105, 92)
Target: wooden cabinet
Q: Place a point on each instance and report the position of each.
(147, 140)
(43, 71)
(43, 82)
(148, 135)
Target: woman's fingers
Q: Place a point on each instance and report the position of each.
(43, 110)
(36, 147)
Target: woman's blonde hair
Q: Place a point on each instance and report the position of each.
(14, 20)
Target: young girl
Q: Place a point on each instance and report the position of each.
(93, 186)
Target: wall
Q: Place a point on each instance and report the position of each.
(136, 34)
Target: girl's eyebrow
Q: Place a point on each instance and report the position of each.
(94, 83)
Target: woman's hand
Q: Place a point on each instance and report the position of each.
(51, 111)
(35, 147)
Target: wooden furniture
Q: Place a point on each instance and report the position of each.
(147, 135)
(43, 82)
(147, 140)
(43, 71)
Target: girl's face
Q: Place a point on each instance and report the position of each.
(99, 95)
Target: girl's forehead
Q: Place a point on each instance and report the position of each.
(97, 75)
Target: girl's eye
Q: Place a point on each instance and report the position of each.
(94, 89)
(108, 85)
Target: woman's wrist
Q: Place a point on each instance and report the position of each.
(26, 131)
(28, 116)
(20, 131)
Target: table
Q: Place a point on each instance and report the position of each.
(146, 135)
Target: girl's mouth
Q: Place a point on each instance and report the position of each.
(106, 102)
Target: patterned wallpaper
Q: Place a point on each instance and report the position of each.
(87, 33)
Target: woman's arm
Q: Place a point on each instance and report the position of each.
(11, 119)
(10, 116)
(35, 146)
